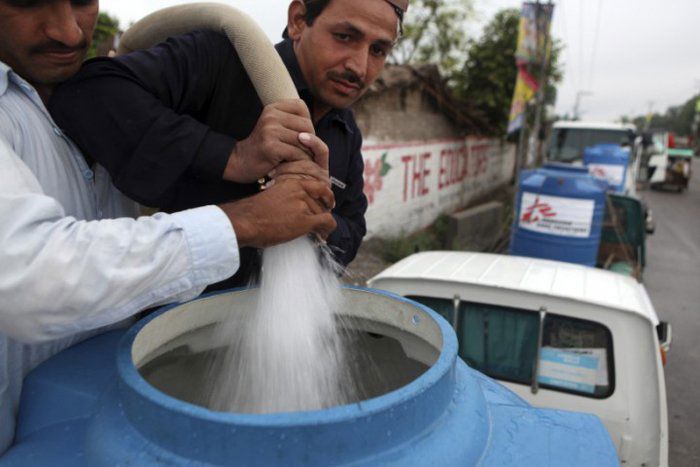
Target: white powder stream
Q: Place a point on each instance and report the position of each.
(286, 355)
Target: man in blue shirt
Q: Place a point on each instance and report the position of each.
(173, 123)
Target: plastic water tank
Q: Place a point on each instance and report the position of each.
(92, 404)
(560, 210)
(608, 162)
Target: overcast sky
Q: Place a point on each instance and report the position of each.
(640, 53)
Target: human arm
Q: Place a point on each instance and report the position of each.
(144, 117)
(60, 275)
(351, 203)
(132, 114)
(282, 136)
(285, 211)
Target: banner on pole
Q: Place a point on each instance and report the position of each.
(525, 89)
(535, 21)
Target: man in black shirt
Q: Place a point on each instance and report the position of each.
(180, 125)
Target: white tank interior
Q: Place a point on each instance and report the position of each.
(389, 343)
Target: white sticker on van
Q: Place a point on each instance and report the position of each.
(568, 369)
(613, 174)
(556, 215)
(601, 376)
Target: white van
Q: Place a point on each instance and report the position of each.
(559, 335)
(569, 138)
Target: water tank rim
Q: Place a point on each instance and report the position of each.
(132, 381)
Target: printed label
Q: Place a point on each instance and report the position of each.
(572, 369)
(613, 174)
(555, 215)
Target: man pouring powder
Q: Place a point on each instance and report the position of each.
(177, 125)
(71, 261)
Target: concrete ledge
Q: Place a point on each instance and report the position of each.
(475, 229)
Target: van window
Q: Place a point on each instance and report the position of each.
(576, 354)
(567, 144)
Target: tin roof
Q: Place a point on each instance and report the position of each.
(530, 275)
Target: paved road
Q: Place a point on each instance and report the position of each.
(672, 278)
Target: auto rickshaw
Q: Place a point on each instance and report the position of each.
(668, 165)
(678, 170)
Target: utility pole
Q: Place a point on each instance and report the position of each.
(649, 115)
(533, 153)
(521, 149)
(696, 120)
(577, 103)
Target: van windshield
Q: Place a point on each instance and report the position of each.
(501, 342)
(567, 144)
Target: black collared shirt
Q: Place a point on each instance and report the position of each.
(163, 122)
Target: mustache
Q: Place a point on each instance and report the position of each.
(57, 47)
(348, 76)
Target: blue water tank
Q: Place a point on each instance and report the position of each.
(608, 162)
(91, 406)
(560, 210)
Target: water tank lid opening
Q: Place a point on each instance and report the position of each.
(207, 311)
(136, 345)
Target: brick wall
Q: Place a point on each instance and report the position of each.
(401, 114)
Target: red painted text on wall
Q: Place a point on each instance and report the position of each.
(415, 175)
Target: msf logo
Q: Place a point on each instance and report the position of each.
(536, 211)
(597, 172)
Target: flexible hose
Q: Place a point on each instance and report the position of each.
(320, 286)
(260, 59)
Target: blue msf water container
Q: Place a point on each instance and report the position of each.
(560, 209)
(608, 162)
(94, 404)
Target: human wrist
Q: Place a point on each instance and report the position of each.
(232, 169)
(239, 216)
(241, 164)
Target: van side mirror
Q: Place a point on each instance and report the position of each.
(650, 227)
(649, 224)
(665, 335)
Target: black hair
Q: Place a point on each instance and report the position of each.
(315, 7)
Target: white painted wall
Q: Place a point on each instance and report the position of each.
(409, 184)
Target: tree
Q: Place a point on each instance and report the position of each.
(677, 119)
(435, 33)
(487, 78)
(103, 38)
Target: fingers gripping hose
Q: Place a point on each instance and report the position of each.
(260, 59)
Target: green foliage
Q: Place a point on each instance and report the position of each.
(677, 119)
(434, 32)
(488, 76)
(386, 167)
(431, 238)
(105, 30)
(481, 73)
